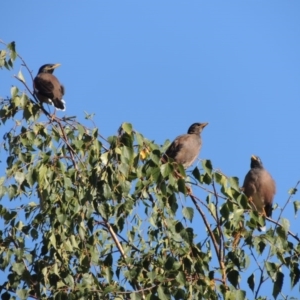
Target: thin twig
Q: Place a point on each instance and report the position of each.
(206, 190)
(276, 224)
(222, 240)
(206, 206)
(119, 246)
(214, 241)
(288, 200)
(295, 236)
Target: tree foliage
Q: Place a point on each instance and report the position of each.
(86, 217)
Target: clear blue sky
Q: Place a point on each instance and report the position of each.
(163, 65)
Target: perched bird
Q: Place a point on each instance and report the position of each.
(185, 148)
(47, 88)
(259, 187)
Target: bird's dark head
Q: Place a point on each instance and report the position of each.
(48, 68)
(256, 162)
(196, 128)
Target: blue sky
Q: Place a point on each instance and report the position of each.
(163, 65)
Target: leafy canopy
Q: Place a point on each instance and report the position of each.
(84, 217)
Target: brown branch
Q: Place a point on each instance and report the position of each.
(207, 190)
(114, 237)
(65, 139)
(295, 236)
(120, 248)
(222, 240)
(206, 206)
(214, 241)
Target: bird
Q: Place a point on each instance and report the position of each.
(186, 148)
(47, 88)
(259, 187)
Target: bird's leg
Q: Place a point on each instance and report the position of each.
(177, 174)
(53, 116)
(251, 202)
(189, 190)
(263, 213)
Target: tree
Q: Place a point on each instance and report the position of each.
(106, 219)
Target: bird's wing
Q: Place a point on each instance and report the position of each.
(175, 147)
(268, 191)
(44, 86)
(249, 187)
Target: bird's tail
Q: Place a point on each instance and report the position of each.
(59, 104)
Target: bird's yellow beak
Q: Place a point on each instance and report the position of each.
(203, 125)
(253, 157)
(55, 66)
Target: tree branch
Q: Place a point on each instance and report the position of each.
(212, 236)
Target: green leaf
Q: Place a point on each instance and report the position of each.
(234, 182)
(187, 234)
(207, 166)
(221, 179)
(207, 179)
(5, 296)
(53, 240)
(127, 153)
(251, 282)
(155, 156)
(108, 275)
(181, 186)
(19, 268)
(165, 170)
(169, 263)
(67, 246)
(136, 296)
(161, 294)
(69, 281)
(22, 294)
(19, 177)
(272, 270)
(180, 278)
(81, 129)
(285, 224)
(292, 191)
(213, 209)
(296, 204)
(197, 175)
(278, 284)
(234, 277)
(12, 47)
(294, 274)
(21, 77)
(235, 295)
(14, 91)
(127, 127)
(188, 212)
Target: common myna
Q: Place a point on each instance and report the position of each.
(185, 148)
(47, 88)
(259, 187)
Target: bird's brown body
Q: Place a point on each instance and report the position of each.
(185, 148)
(47, 88)
(259, 187)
